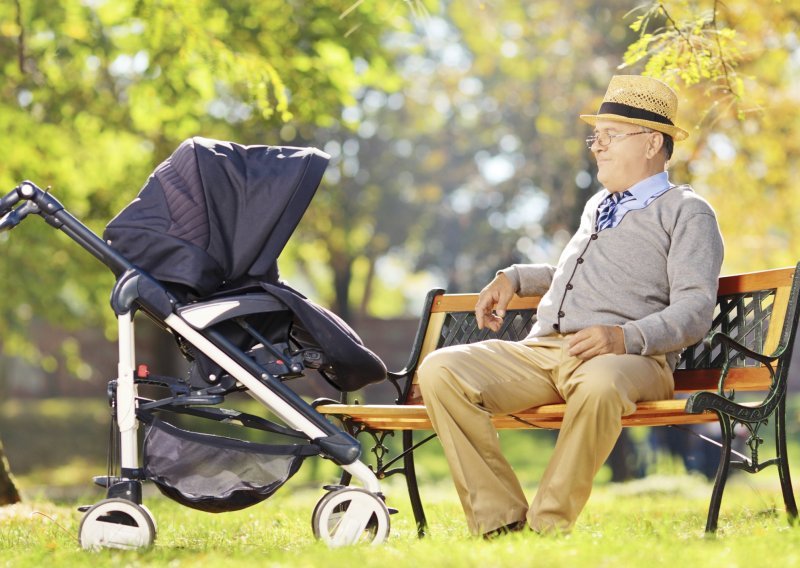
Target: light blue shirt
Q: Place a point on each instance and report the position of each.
(644, 192)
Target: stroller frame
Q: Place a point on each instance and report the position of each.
(343, 516)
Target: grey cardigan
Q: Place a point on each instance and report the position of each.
(655, 275)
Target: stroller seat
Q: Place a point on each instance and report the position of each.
(201, 315)
(266, 329)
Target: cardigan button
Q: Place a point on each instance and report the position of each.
(570, 286)
(580, 260)
(556, 327)
(561, 314)
(594, 236)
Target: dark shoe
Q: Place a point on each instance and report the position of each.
(508, 529)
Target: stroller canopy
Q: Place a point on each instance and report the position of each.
(214, 216)
(217, 214)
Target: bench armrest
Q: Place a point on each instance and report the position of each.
(720, 401)
(729, 343)
(406, 374)
(419, 339)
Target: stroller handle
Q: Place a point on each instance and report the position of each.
(13, 197)
(15, 217)
(10, 218)
(42, 203)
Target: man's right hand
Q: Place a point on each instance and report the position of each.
(492, 302)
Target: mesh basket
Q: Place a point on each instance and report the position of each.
(214, 473)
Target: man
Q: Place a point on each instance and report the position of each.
(635, 285)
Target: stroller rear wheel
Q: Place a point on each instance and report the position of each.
(116, 523)
(349, 516)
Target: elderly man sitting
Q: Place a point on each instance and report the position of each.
(634, 286)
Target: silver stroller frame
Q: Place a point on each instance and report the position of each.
(345, 515)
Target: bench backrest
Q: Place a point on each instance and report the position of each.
(756, 309)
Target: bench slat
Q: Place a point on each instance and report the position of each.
(763, 280)
(740, 379)
(466, 303)
(414, 417)
(733, 284)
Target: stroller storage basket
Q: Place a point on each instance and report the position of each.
(215, 473)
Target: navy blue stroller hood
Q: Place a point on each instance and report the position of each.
(214, 217)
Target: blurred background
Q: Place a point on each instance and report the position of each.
(456, 150)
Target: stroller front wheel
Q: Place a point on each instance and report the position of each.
(350, 515)
(116, 523)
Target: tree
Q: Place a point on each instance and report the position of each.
(735, 65)
(8, 491)
(503, 85)
(455, 143)
(461, 169)
(94, 94)
(491, 98)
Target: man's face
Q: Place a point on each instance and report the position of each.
(622, 162)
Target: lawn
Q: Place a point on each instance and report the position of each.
(653, 522)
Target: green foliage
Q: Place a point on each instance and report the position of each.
(94, 94)
(734, 64)
(452, 128)
(472, 164)
(688, 47)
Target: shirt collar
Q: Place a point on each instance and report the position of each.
(646, 188)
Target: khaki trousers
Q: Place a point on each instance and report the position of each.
(464, 385)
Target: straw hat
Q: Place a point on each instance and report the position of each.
(640, 100)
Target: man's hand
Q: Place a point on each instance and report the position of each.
(597, 340)
(492, 302)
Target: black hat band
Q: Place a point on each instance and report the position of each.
(633, 112)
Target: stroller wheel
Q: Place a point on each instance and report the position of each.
(349, 516)
(116, 523)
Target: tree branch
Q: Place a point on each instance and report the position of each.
(719, 47)
(21, 41)
(683, 36)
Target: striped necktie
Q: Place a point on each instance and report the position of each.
(605, 215)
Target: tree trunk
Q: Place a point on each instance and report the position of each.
(8, 491)
(342, 276)
(369, 281)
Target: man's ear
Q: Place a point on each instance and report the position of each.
(655, 144)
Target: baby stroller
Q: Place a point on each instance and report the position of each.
(197, 252)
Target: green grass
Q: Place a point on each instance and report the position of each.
(656, 521)
(653, 522)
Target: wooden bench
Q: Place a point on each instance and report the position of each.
(748, 349)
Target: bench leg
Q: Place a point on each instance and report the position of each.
(411, 482)
(783, 462)
(722, 473)
(408, 470)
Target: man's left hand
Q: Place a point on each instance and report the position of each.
(597, 340)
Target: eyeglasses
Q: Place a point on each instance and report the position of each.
(604, 139)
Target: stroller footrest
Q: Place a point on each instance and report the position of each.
(183, 400)
(342, 448)
(120, 487)
(197, 399)
(105, 480)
